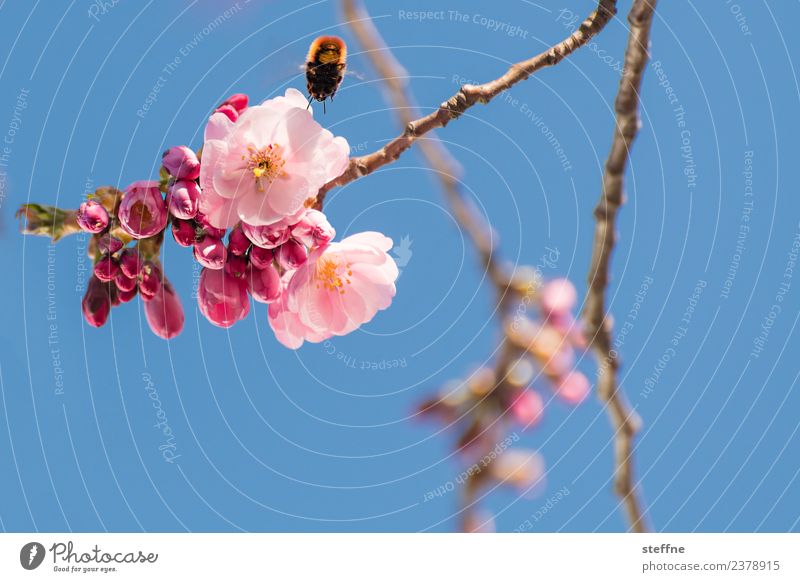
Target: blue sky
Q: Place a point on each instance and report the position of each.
(323, 439)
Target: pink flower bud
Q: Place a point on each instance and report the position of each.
(222, 298)
(261, 258)
(125, 296)
(130, 263)
(291, 254)
(106, 268)
(573, 388)
(267, 237)
(236, 266)
(92, 217)
(210, 252)
(559, 296)
(238, 101)
(143, 211)
(202, 220)
(183, 232)
(96, 304)
(184, 199)
(165, 312)
(108, 244)
(125, 283)
(150, 280)
(182, 163)
(264, 284)
(228, 110)
(527, 408)
(238, 243)
(313, 230)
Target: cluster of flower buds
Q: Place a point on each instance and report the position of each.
(546, 345)
(246, 211)
(490, 399)
(252, 262)
(120, 272)
(552, 341)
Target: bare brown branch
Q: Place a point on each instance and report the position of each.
(448, 171)
(466, 97)
(597, 324)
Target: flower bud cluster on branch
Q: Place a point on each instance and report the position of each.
(244, 205)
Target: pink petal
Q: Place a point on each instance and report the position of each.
(218, 127)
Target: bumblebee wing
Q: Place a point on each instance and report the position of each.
(348, 72)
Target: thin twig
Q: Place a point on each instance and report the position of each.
(469, 95)
(598, 326)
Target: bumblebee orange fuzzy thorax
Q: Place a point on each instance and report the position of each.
(325, 65)
(327, 49)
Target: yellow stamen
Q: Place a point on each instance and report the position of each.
(327, 274)
(265, 162)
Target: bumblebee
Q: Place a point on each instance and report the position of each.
(325, 65)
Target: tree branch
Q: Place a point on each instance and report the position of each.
(448, 171)
(467, 96)
(598, 327)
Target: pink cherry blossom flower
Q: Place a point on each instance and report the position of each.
(559, 297)
(573, 388)
(527, 408)
(263, 166)
(143, 211)
(339, 288)
(520, 468)
(222, 298)
(164, 312)
(286, 324)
